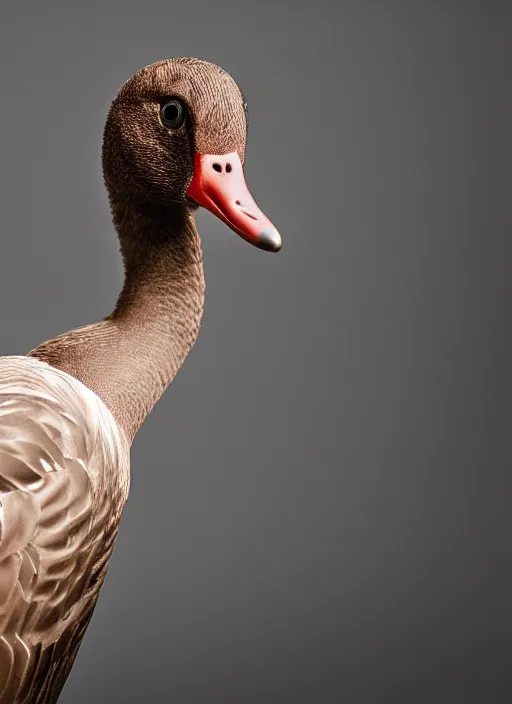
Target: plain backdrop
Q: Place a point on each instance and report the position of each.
(320, 504)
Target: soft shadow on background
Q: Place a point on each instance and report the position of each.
(320, 505)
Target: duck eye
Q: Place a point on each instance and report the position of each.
(172, 114)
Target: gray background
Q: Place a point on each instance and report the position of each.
(319, 508)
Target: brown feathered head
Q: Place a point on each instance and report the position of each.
(176, 135)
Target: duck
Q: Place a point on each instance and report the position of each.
(174, 141)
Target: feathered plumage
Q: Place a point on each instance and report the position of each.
(64, 477)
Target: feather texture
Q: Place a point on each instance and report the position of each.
(64, 478)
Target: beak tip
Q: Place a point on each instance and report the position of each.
(270, 240)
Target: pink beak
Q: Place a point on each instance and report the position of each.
(219, 186)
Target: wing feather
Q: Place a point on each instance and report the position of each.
(64, 476)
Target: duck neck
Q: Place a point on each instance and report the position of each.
(129, 358)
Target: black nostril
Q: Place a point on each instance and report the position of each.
(217, 167)
(228, 168)
(238, 202)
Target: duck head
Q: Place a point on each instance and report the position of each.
(176, 136)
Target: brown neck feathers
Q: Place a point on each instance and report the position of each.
(129, 358)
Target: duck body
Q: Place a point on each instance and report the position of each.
(69, 410)
(64, 473)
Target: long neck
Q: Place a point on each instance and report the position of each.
(129, 358)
